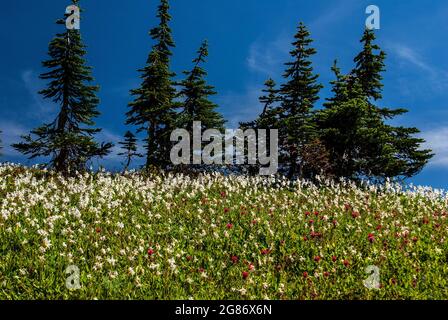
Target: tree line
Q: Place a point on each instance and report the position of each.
(349, 137)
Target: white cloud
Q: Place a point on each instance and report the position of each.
(11, 133)
(432, 77)
(40, 108)
(411, 56)
(244, 106)
(267, 58)
(437, 141)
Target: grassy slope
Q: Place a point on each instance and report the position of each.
(217, 238)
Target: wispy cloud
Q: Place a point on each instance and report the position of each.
(437, 141)
(411, 56)
(431, 76)
(245, 106)
(267, 57)
(11, 133)
(39, 107)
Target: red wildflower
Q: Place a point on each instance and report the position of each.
(326, 274)
(265, 251)
(316, 213)
(334, 258)
(425, 221)
(355, 214)
(305, 238)
(311, 221)
(223, 194)
(226, 210)
(305, 274)
(317, 258)
(98, 230)
(254, 222)
(245, 275)
(415, 239)
(379, 227)
(234, 259)
(201, 270)
(335, 222)
(229, 226)
(307, 213)
(371, 238)
(189, 258)
(150, 252)
(346, 263)
(315, 234)
(251, 267)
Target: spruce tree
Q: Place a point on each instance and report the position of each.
(129, 147)
(269, 117)
(196, 92)
(68, 140)
(361, 142)
(153, 109)
(369, 66)
(299, 94)
(271, 111)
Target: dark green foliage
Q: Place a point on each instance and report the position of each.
(356, 133)
(269, 117)
(196, 92)
(299, 94)
(68, 140)
(129, 147)
(153, 109)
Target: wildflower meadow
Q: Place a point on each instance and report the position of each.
(211, 236)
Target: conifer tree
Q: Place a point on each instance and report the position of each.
(356, 132)
(269, 117)
(153, 109)
(299, 94)
(196, 93)
(369, 66)
(271, 111)
(68, 140)
(129, 147)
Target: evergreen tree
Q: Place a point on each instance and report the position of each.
(68, 140)
(196, 93)
(153, 109)
(269, 117)
(369, 66)
(271, 111)
(356, 132)
(299, 94)
(129, 147)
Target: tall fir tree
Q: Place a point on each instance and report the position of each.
(153, 108)
(269, 117)
(129, 147)
(69, 139)
(195, 91)
(356, 132)
(299, 94)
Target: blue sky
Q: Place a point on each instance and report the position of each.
(249, 41)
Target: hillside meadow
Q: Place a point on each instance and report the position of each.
(212, 236)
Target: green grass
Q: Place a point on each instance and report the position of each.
(217, 237)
